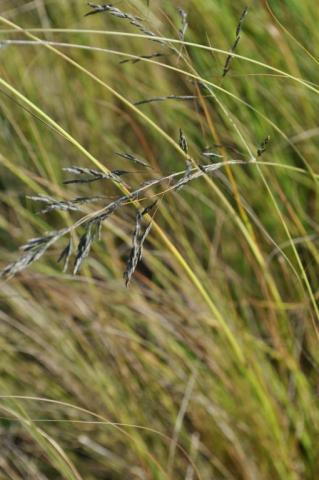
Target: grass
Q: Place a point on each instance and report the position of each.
(206, 366)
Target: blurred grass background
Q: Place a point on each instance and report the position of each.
(209, 375)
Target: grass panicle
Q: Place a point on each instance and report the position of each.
(84, 246)
(93, 221)
(184, 24)
(93, 175)
(263, 146)
(132, 158)
(65, 255)
(241, 21)
(133, 20)
(230, 57)
(183, 141)
(109, 8)
(138, 239)
(33, 251)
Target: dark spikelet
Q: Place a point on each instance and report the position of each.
(183, 141)
(147, 209)
(84, 247)
(65, 256)
(107, 211)
(227, 65)
(241, 21)
(62, 205)
(135, 251)
(46, 240)
(143, 238)
(263, 146)
(184, 24)
(235, 44)
(166, 97)
(92, 232)
(91, 175)
(83, 171)
(96, 9)
(229, 58)
(116, 12)
(119, 173)
(132, 158)
(33, 250)
(34, 243)
(138, 240)
(82, 180)
(98, 226)
(55, 204)
(109, 8)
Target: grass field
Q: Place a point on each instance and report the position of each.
(205, 366)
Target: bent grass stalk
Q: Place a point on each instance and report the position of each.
(60, 460)
(101, 420)
(280, 215)
(305, 83)
(271, 13)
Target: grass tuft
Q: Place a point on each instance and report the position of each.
(135, 143)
